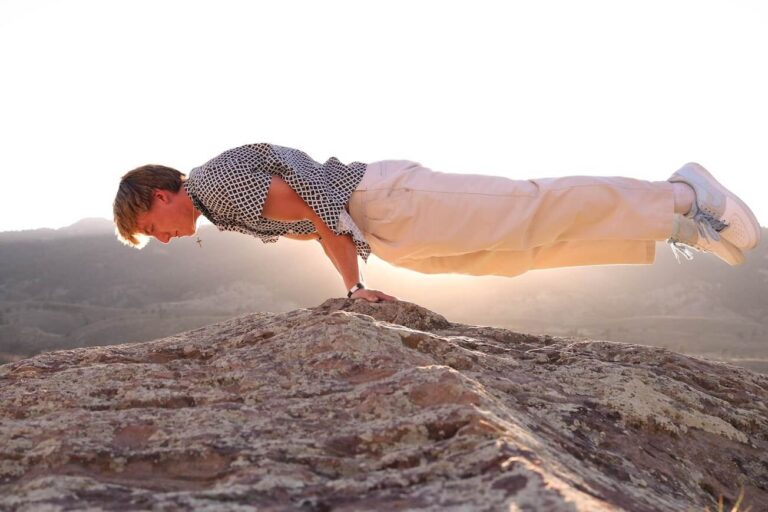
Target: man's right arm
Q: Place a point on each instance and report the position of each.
(298, 236)
(284, 204)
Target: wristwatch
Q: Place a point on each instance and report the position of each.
(354, 289)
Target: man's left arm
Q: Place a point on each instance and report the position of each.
(284, 204)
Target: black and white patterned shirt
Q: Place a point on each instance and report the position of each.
(231, 188)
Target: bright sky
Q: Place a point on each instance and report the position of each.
(92, 89)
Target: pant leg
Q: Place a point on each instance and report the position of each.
(409, 213)
(559, 254)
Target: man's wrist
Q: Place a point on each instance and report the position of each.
(358, 286)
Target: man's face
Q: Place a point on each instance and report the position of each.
(170, 215)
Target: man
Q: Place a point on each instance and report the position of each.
(435, 222)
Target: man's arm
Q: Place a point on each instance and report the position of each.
(284, 204)
(300, 236)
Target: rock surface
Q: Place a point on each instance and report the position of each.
(354, 405)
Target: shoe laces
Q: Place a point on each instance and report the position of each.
(709, 227)
(680, 249)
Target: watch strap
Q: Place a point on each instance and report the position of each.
(352, 290)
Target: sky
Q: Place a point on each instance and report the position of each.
(92, 89)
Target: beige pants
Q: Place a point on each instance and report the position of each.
(435, 222)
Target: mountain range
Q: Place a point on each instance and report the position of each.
(78, 286)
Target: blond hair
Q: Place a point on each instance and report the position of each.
(134, 196)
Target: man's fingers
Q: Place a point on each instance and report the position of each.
(376, 296)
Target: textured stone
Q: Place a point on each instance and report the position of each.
(354, 405)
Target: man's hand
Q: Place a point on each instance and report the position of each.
(373, 295)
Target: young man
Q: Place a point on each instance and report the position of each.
(434, 222)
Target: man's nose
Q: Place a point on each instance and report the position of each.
(165, 237)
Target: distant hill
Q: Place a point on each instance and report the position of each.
(78, 286)
(83, 227)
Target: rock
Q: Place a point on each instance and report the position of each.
(353, 405)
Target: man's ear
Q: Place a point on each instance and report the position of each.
(161, 195)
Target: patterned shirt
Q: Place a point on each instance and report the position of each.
(230, 190)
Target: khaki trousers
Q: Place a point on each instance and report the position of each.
(435, 222)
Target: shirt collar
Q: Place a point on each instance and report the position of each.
(196, 202)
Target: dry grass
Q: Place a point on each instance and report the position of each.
(736, 506)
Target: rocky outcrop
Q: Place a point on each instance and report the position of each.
(354, 405)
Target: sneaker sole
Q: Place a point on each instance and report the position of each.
(729, 253)
(744, 240)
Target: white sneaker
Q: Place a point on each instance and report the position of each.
(687, 235)
(717, 210)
